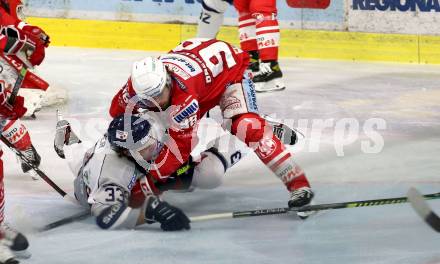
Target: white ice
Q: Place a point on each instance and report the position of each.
(405, 97)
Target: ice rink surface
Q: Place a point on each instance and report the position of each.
(361, 104)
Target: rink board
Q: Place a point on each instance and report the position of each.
(294, 43)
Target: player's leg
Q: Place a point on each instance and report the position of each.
(269, 77)
(68, 146)
(18, 135)
(2, 192)
(12, 242)
(257, 133)
(247, 34)
(223, 153)
(211, 17)
(205, 171)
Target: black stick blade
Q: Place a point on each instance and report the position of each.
(423, 210)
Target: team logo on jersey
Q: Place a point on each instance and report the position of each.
(186, 112)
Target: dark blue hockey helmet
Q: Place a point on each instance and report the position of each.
(118, 134)
(136, 133)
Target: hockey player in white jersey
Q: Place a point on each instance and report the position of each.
(211, 17)
(106, 173)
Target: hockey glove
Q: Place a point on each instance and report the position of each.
(36, 34)
(40, 40)
(170, 218)
(15, 41)
(15, 111)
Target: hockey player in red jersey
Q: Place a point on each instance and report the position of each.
(259, 35)
(10, 239)
(22, 46)
(194, 77)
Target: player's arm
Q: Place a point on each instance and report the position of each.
(121, 99)
(174, 154)
(29, 36)
(8, 111)
(121, 215)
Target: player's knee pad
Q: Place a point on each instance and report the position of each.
(239, 98)
(209, 173)
(17, 134)
(263, 6)
(217, 6)
(231, 149)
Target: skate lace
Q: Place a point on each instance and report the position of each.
(9, 232)
(29, 154)
(299, 194)
(264, 69)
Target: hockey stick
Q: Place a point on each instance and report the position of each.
(66, 220)
(17, 85)
(423, 210)
(308, 208)
(263, 212)
(39, 172)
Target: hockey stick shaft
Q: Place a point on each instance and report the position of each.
(66, 220)
(38, 171)
(318, 207)
(17, 85)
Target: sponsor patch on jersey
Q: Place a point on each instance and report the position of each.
(132, 181)
(186, 112)
(184, 63)
(178, 71)
(181, 85)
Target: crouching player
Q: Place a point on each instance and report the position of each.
(193, 78)
(106, 173)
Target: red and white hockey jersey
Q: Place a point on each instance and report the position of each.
(200, 69)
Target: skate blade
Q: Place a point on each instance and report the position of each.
(270, 86)
(305, 215)
(22, 254)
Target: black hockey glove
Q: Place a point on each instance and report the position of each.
(170, 218)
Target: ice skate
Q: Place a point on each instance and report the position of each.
(32, 156)
(16, 241)
(269, 78)
(301, 197)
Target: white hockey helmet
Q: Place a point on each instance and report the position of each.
(148, 77)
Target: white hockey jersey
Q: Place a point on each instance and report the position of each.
(105, 177)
